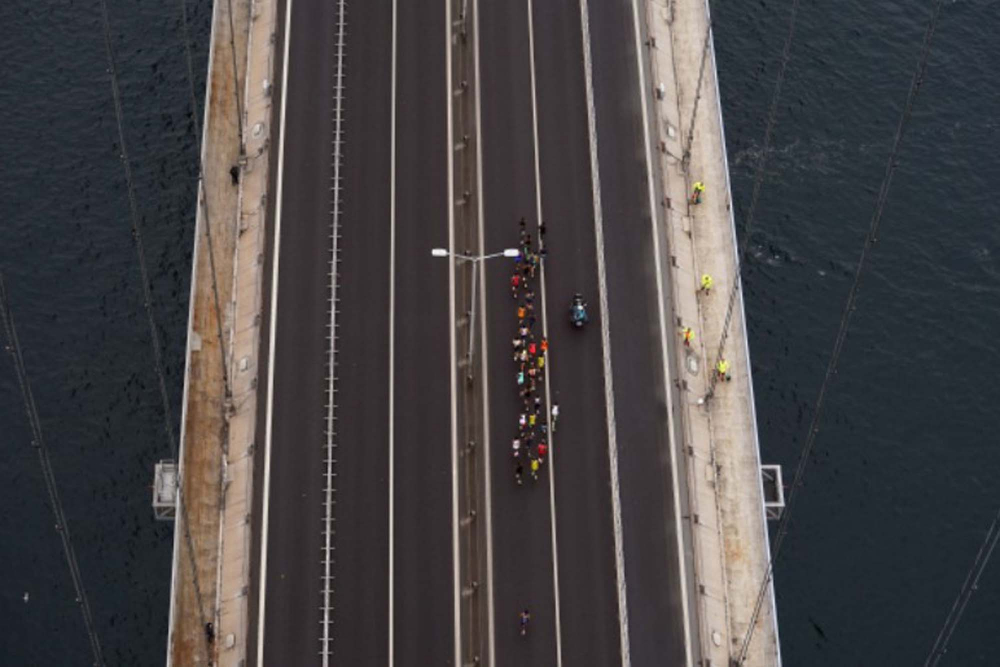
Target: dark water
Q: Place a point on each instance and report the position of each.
(66, 249)
(900, 487)
(902, 483)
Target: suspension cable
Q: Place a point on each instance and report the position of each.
(849, 307)
(136, 231)
(148, 306)
(236, 78)
(196, 117)
(38, 442)
(969, 586)
(758, 182)
(686, 157)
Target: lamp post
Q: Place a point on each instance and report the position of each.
(475, 259)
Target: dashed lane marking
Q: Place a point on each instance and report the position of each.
(545, 332)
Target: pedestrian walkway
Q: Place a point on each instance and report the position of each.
(728, 528)
(247, 301)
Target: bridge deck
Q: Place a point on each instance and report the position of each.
(703, 462)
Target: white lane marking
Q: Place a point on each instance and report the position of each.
(609, 392)
(328, 520)
(663, 334)
(491, 634)
(452, 367)
(545, 333)
(261, 596)
(392, 349)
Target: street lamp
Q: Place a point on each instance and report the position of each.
(443, 252)
(508, 252)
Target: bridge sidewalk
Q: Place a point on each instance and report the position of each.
(235, 540)
(728, 527)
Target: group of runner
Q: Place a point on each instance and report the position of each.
(529, 447)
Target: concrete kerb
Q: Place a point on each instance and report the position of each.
(475, 565)
(657, 189)
(669, 136)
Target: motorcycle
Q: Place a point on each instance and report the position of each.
(578, 311)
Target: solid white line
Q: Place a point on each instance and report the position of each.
(332, 358)
(490, 612)
(663, 334)
(392, 347)
(262, 599)
(545, 332)
(452, 369)
(609, 392)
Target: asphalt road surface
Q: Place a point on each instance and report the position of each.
(652, 567)
(422, 591)
(294, 518)
(553, 540)
(424, 618)
(587, 577)
(361, 587)
(522, 543)
(589, 622)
